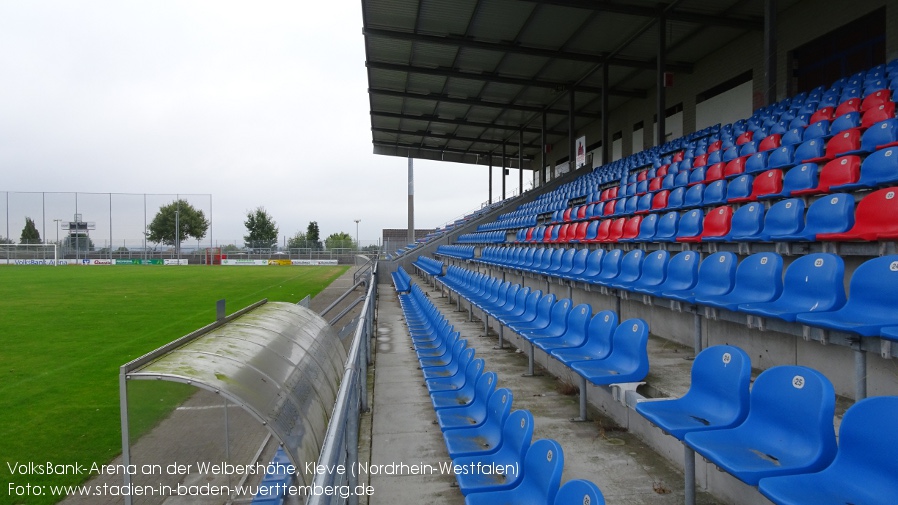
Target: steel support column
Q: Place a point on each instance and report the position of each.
(521, 162)
(662, 56)
(503, 170)
(572, 155)
(542, 155)
(769, 51)
(490, 177)
(411, 200)
(606, 137)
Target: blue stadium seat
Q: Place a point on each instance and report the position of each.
(682, 273)
(746, 225)
(627, 362)
(472, 414)
(781, 157)
(592, 266)
(696, 176)
(549, 312)
(578, 264)
(630, 270)
(579, 491)
(467, 370)
(716, 275)
(718, 395)
(830, 214)
(517, 433)
(681, 179)
(610, 267)
(654, 271)
(793, 137)
(539, 483)
(485, 438)
(756, 163)
(817, 130)
(864, 470)
(694, 197)
(740, 188)
(535, 316)
(845, 122)
(598, 340)
(676, 198)
(401, 280)
(516, 307)
(574, 332)
(789, 428)
(813, 283)
(871, 301)
(463, 395)
(647, 228)
(759, 278)
(436, 361)
(785, 218)
(878, 169)
(715, 193)
(811, 148)
(879, 136)
(690, 225)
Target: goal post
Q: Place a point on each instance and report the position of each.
(29, 254)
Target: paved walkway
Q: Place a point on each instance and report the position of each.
(627, 471)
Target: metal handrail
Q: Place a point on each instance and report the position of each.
(341, 442)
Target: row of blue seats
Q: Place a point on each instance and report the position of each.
(803, 134)
(429, 265)
(778, 434)
(482, 237)
(810, 292)
(594, 347)
(463, 252)
(402, 281)
(478, 426)
(843, 174)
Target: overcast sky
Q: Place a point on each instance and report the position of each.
(256, 103)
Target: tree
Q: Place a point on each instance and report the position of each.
(262, 229)
(4, 240)
(30, 234)
(340, 240)
(297, 241)
(191, 222)
(312, 236)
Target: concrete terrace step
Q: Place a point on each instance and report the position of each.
(625, 468)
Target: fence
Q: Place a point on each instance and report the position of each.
(341, 444)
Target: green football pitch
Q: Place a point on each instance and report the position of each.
(65, 331)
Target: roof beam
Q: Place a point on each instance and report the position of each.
(508, 47)
(756, 24)
(437, 97)
(417, 147)
(492, 77)
(444, 136)
(460, 122)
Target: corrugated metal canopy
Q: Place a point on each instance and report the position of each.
(280, 362)
(453, 79)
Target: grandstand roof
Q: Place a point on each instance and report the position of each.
(453, 79)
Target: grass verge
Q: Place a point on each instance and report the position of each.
(65, 331)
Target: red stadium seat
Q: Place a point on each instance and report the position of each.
(844, 170)
(874, 218)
